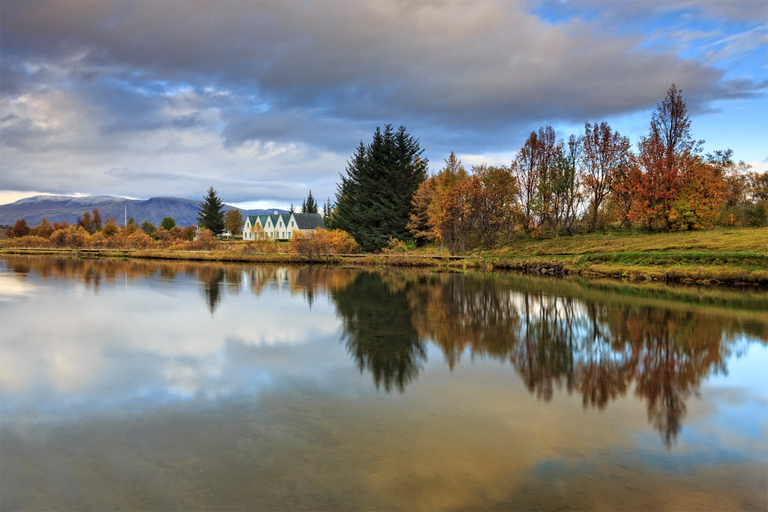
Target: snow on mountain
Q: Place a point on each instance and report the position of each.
(69, 209)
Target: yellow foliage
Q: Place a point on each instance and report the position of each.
(322, 243)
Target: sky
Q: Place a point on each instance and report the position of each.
(265, 101)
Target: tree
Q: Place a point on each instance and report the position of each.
(605, 155)
(148, 227)
(559, 185)
(95, 220)
(496, 203)
(327, 210)
(419, 224)
(309, 205)
(234, 221)
(211, 217)
(18, 230)
(291, 209)
(535, 156)
(168, 223)
(374, 196)
(85, 222)
(44, 229)
(668, 156)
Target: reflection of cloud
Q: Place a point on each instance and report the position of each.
(12, 288)
(142, 347)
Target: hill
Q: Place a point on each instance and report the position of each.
(69, 209)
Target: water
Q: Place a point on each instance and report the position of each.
(183, 386)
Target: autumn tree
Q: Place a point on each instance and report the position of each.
(536, 155)
(569, 182)
(626, 184)
(419, 221)
(233, 220)
(605, 155)
(95, 220)
(701, 197)
(665, 156)
(44, 229)
(18, 230)
(110, 229)
(85, 222)
(496, 205)
(211, 216)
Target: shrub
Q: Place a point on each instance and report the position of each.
(394, 246)
(205, 240)
(98, 239)
(109, 230)
(139, 240)
(28, 241)
(322, 243)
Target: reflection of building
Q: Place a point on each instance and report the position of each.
(279, 226)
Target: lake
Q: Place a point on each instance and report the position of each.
(136, 385)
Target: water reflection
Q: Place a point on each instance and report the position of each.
(599, 350)
(379, 331)
(556, 336)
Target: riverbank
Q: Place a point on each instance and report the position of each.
(736, 256)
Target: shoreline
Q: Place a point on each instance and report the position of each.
(739, 269)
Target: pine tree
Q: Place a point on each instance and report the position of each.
(211, 217)
(327, 209)
(373, 201)
(309, 205)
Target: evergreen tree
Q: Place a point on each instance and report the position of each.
(373, 201)
(327, 209)
(309, 205)
(211, 217)
(291, 209)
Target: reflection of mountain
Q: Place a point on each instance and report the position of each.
(379, 331)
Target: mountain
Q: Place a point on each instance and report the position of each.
(69, 209)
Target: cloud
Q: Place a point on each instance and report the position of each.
(263, 91)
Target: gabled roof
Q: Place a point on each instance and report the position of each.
(309, 220)
(285, 216)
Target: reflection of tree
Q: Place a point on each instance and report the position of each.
(211, 278)
(379, 332)
(597, 349)
(595, 344)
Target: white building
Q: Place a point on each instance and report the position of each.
(280, 226)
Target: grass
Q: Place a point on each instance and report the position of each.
(732, 256)
(717, 256)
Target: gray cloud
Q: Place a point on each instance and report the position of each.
(265, 92)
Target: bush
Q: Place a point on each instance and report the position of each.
(139, 240)
(394, 246)
(109, 230)
(755, 215)
(205, 240)
(28, 241)
(322, 243)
